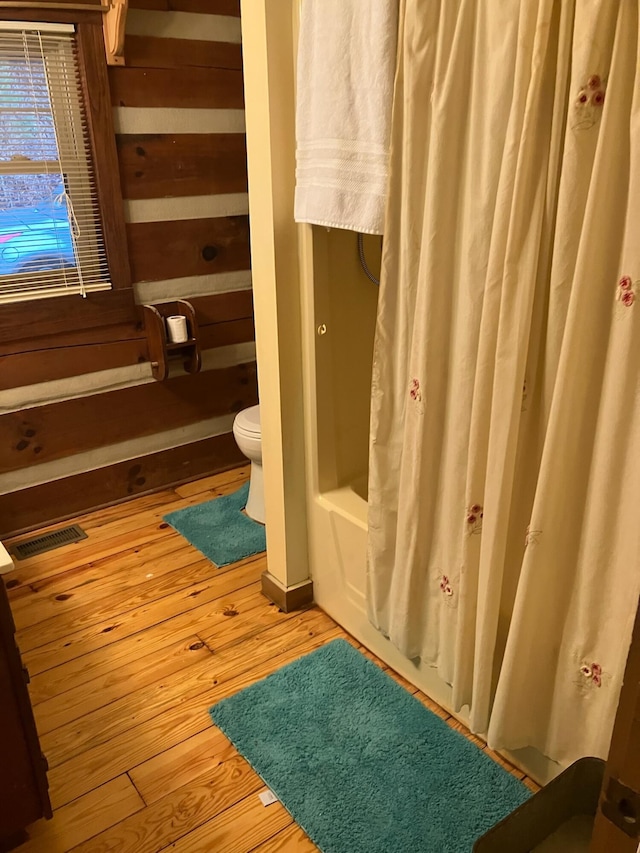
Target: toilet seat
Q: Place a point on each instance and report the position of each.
(248, 421)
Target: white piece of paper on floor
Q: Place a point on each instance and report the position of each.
(267, 797)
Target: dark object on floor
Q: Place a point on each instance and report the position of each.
(23, 777)
(571, 795)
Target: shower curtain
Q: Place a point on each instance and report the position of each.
(505, 432)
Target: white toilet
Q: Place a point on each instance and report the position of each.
(246, 431)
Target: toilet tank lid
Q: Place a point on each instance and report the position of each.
(249, 419)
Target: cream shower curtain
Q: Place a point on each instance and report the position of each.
(505, 450)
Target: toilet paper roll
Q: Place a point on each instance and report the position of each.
(177, 329)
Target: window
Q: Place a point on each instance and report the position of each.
(51, 236)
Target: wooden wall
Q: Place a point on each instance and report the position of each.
(82, 422)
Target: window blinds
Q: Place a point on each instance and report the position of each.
(50, 229)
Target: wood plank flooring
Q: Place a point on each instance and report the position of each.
(130, 636)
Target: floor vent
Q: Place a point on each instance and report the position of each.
(47, 542)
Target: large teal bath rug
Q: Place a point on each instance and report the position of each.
(219, 529)
(360, 764)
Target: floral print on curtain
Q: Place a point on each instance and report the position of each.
(627, 291)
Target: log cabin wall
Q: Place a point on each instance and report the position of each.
(82, 421)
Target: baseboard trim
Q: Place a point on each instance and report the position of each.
(27, 509)
(287, 598)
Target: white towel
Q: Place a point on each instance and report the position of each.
(346, 65)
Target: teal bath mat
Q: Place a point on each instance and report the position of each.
(360, 764)
(219, 529)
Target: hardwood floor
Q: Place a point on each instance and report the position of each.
(129, 637)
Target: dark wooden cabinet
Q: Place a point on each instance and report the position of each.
(23, 770)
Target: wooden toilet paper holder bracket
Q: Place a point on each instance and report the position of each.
(161, 349)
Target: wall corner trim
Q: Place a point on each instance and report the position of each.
(269, 77)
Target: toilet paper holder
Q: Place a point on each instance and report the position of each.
(161, 349)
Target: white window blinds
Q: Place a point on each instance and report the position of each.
(50, 230)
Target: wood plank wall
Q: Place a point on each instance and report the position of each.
(82, 423)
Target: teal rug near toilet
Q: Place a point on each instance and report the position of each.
(360, 764)
(219, 529)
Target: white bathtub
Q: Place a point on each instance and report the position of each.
(339, 307)
(338, 536)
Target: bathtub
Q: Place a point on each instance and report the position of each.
(339, 310)
(338, 320)
(338, 549)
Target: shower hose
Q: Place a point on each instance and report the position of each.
(363, 261)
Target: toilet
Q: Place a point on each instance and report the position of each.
(246, 431)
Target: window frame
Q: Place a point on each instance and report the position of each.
(57, 315)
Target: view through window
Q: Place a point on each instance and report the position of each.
(50, 234)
